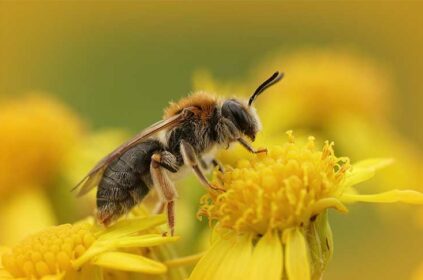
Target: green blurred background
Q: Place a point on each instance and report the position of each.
(118, 64)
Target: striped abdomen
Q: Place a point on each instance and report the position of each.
(126, 181)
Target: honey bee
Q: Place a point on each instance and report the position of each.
(190, 129)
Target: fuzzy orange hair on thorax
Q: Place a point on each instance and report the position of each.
(205, 102)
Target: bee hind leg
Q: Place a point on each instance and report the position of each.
(168, 161)
(104, 219)
(165, 188)
(159, 207)
(108, 213)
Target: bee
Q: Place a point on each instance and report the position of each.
(191, 128)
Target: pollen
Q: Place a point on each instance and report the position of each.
(49, 252)
(285, 188)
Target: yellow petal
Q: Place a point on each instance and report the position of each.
(101, 246)
(297, 262)
(234, 264)
(208, 264)
(358, 176)
(404, 196)
(267, 259)
(325, 203)
(129, 262)
(373, 163)
(184, 261)
(129, 226)
(94, 250)
(140, 241)
(365, 170)
(228, 258)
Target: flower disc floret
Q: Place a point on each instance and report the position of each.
(49, 252)
(84, 249)
(271, 222)
(282, 189)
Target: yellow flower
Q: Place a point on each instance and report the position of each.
(82, 250)
(35, 131)
(272, 222)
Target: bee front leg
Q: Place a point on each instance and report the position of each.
(208, 166)
(213, 163)
(165, 188)
(250, 148)
(190, 159)
(218, 164)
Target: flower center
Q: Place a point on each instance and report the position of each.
(282, 189)
(48, 252)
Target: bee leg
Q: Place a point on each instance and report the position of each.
(165, 188)
(190, 159)
(159, 207)
(104, 219)
(204, 165)
(168, 161)
(221, 169)
(208, 166)
(218, 164)
(250, 148)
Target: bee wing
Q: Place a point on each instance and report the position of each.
(94, 176)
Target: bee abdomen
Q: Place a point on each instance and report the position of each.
(126, 181)
(115, 198)
(114, 193)
(119, 186)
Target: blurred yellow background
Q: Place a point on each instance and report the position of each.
(118, 64)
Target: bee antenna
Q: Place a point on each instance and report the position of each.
(276, 77)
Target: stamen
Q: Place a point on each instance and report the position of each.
(279, 190)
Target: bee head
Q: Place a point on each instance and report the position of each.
(244, 116)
